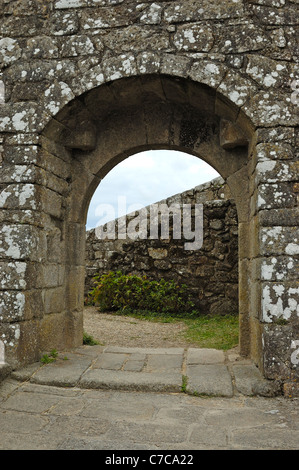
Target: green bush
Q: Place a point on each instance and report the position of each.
(117, 291)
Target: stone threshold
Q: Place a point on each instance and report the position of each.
(198, 372)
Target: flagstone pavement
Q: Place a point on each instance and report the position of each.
(115, 398)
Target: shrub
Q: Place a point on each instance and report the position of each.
(117, 291)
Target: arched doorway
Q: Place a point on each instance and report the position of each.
(109, 123)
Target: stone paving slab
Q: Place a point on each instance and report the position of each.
(248, 381)
(205, 356)
(163, 363)
(135, 363)
(110, 361)
(63, 373)
(207, 379)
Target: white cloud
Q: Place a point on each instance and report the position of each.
(141, 160)
(146, 178)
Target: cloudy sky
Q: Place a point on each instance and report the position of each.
(143, 179)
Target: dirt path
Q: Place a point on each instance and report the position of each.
(111, 329)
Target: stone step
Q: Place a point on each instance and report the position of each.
(206, 372)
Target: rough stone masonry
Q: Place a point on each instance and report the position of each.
(85, 84)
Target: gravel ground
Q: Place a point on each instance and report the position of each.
(111, 329)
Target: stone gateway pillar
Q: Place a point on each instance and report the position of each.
(86, 84)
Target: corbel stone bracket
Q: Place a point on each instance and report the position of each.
(82, 137)
(231, 136)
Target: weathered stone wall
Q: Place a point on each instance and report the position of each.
(88, 83)
(210, 273)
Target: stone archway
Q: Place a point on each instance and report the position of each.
(59, 143)
(92, 134)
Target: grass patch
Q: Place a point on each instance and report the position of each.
(48, 358)
(184, 384)
(218, 332)
(89, 340)
(205, 331)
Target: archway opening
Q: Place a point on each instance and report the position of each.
(103, 127)
(208, 271)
